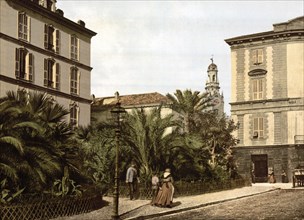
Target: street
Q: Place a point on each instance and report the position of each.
(282, 204)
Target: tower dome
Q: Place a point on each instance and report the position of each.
(212, 67)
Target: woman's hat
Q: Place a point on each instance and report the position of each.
(167, 172)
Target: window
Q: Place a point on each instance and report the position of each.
(24, 64)
(45, 3)
(74, 80)
(57, 41)
(51, 74)
(257, 56)
(257, 89)
(74, 115)
(49, 4)
(258, 127)
(74, 47)
(51, 38)
(23, 26)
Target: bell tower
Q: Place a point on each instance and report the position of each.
(212, 84)
(213, 89)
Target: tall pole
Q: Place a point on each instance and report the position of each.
(116, 111)
(116, 185)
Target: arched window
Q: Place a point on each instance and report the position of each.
(74, 83)
(74, 112)
(24, 67)
(23, 26)
(51, 38)
(51, 73)
(74, 47)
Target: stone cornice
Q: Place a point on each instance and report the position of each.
(266, 36)
(52, 16)
(50, 91)
(274, 105)
(43, 51)
(265, 147)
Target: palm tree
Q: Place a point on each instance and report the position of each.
(155, 143)
(188, 104)
(147, 134)
(33, 124)
(11, 139)
(98, 156)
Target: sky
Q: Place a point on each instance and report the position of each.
(162, 46)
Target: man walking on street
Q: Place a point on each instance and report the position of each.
(131, 180)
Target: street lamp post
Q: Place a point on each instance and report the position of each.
(116, 112)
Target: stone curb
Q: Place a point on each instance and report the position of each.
(189, 208)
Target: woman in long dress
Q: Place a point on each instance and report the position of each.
(165, 194)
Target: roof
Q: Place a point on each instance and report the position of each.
(146, 99)
(54, 16)
(293, 27)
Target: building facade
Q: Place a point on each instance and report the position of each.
(41, 50)
(267, 100)
(101, 107)
(212, 88)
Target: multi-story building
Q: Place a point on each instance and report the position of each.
(267, 99)
(41, 50)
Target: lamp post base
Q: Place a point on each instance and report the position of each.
(115, 217)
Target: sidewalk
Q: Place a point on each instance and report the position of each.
(141, 209)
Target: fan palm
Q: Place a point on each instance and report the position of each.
(187, 104)
(155, 142)
(33, 124)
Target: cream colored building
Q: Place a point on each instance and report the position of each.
(43, 51)
(101, 107)
(267, 99)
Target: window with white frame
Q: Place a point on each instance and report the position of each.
(257, 56)
(257, 88)
(23, 26)
(74, 115)
(24, 68)
(74, 47)
(258, 127)
(74, 83)
(51, 74)
(51, 38)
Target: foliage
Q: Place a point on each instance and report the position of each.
(216, 133)
(188, 104)
(65, 186)
(36, 143)
(155, 143)
(97, 144)
(212, 132)
(6, 195)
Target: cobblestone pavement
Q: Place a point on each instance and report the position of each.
(276, 205)
(141, 209)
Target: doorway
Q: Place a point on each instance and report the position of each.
(260, 167)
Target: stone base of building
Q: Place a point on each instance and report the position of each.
(269, 163)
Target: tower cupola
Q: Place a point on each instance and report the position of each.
(212, 84)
